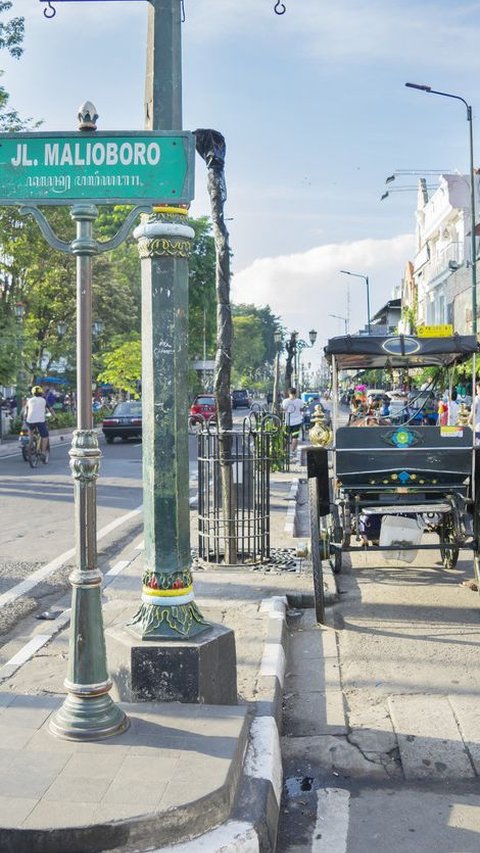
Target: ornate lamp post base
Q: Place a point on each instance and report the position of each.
(168, 610)
(89, 717)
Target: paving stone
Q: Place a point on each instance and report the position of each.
(431, 746)
(14, 810)
(465, 709)
(134, 790)
(315, 713)
(16, 737)
(47, 814)
(324, 753)
(28, 777)
(77, 789)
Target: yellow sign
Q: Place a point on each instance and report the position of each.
(445, 331)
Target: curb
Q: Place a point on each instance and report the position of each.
(253, 824)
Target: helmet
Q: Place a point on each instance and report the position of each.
(37, 389)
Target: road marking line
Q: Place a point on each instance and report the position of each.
(29, 649)
(117, 568)
(331, 827)
(37, 642)
(40, 575)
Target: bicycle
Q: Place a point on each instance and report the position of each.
(34, 449)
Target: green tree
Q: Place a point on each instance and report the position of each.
(248, 349)
(269, 324)
(201, 291)
(123, 366)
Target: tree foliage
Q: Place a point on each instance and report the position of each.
(123, 366)
(201, 291)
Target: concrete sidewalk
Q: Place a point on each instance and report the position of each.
(180, 771)
(388, 689)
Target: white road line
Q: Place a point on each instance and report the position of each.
(37, 642)
(117, 568)
(331, 827)
(28, 649)
(37, 577)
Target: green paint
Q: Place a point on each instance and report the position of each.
(106, 168)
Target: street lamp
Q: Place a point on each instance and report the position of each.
(19, 311)
(430, 91)
(278, 338)
(339, 317)
(298, 346)
(365, 278)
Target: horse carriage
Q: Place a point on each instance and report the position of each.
(381, 483)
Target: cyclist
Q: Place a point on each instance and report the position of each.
(35, 416)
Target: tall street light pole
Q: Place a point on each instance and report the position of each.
(339, 317)
(365, 278)
(278, 338)
(430, 91)
(299, 346)
(19, 310)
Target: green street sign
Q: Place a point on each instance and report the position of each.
(102, 168)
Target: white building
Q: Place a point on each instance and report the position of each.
(441, 269)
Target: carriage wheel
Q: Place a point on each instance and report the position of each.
(335, 558)
(319, 545)
(449, 556)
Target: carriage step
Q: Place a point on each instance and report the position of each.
(399, 509)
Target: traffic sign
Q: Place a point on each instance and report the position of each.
(102, 168)
(442, 331)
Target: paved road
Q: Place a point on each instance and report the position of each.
(37, 521)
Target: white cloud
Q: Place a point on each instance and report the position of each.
(305, 288)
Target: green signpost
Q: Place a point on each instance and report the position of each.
(100, 168)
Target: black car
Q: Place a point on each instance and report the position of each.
(124, 422)
(240, 399)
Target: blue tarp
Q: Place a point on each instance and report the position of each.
(51, 380)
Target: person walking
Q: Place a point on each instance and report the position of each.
(293, 411)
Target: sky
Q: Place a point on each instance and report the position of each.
(315, 113)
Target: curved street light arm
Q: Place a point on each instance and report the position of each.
(46, 228)
(124, 229)
(67, 247)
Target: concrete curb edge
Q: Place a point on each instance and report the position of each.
(252, 827)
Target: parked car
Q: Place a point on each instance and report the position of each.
(203, 407)
(124, 422)
(240, 399)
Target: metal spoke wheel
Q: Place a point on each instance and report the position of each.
(318, 548)
(335, 558)
(449, 556)
(33, 453)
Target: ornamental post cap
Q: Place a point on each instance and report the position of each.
(87, 116)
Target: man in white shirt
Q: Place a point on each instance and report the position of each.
(35, 415)
(293, 409)
(453, 408)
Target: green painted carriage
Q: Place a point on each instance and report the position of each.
(387, 478)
